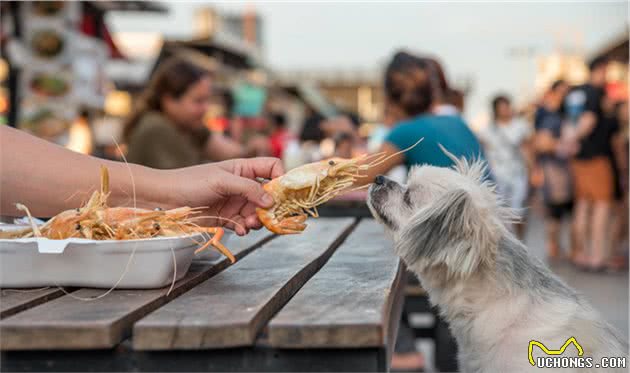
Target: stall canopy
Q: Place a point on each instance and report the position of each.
(93, 20)
(228, 54)
(617, 50)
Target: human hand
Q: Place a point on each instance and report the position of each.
(228, 191)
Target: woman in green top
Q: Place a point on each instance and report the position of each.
(166, 131)
(410, 88)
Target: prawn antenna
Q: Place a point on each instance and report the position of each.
(380, 160)
(133, 183)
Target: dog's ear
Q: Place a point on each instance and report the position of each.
(476, 169)
(452, 231)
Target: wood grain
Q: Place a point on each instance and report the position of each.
(69, 323)
(350, 302)
(13, 301)
(231, 308)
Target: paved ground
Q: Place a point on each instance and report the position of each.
(608, 292)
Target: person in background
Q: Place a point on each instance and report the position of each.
(344, 145)
(342, 124)
(408, 111)
(592, 169)
(280, 135)
(611, 122)
(553, 159)
(222, 98)
(167, 129)
(311, 130)
(446, 101)
(619, 248)
(506, 142)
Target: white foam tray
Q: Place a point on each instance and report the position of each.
(39, 262)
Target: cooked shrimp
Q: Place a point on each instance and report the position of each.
(95, 220)
(298, 192)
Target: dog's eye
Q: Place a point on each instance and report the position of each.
(407, 197)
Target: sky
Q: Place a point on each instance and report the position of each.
(475, 41)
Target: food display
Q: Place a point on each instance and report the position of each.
(45, 123)
(47, 43)
(47, 8)
(49, 85)
(62, 71)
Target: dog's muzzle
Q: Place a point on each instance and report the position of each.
(378, 190)
(380, 180)
(377, 194)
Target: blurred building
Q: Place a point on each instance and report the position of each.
(617, 53)
(568, 66)
(356, 91)
(572, 66)
(224, 43)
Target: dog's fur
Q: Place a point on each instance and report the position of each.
(449, 227)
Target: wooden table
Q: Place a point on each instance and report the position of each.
(326, 300)
(349, 204)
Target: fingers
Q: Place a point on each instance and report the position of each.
(241, 186)
(265, 167)
(245, 224)
(251, 219)
(240, 227)
(253, 222)
(277, 169)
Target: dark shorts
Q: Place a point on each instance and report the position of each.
(557, 211)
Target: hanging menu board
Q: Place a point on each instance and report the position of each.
(62, 70)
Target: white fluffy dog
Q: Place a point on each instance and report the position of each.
(449, 227)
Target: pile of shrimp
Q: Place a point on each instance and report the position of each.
(97, 221)
(297, 193)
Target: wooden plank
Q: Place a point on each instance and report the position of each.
(243, 359)
(350, 302)
(231, 308)
(13, 301)
(69, 323)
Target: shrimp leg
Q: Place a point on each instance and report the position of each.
(215, 242)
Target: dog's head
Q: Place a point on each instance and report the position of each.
(443, 216)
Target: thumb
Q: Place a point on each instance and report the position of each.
(234, 185)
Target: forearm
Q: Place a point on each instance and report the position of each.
(586, 124)
(618, 147)
(49, 179)
(526, 150)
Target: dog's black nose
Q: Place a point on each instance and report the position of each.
(379, 180)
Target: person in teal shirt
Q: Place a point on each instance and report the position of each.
(412, 91)
(449, 131)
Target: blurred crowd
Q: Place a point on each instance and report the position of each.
(570, 147)
(573, 148)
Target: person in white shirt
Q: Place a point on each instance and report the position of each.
(505, 141)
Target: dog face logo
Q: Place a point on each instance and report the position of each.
(547, 351)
